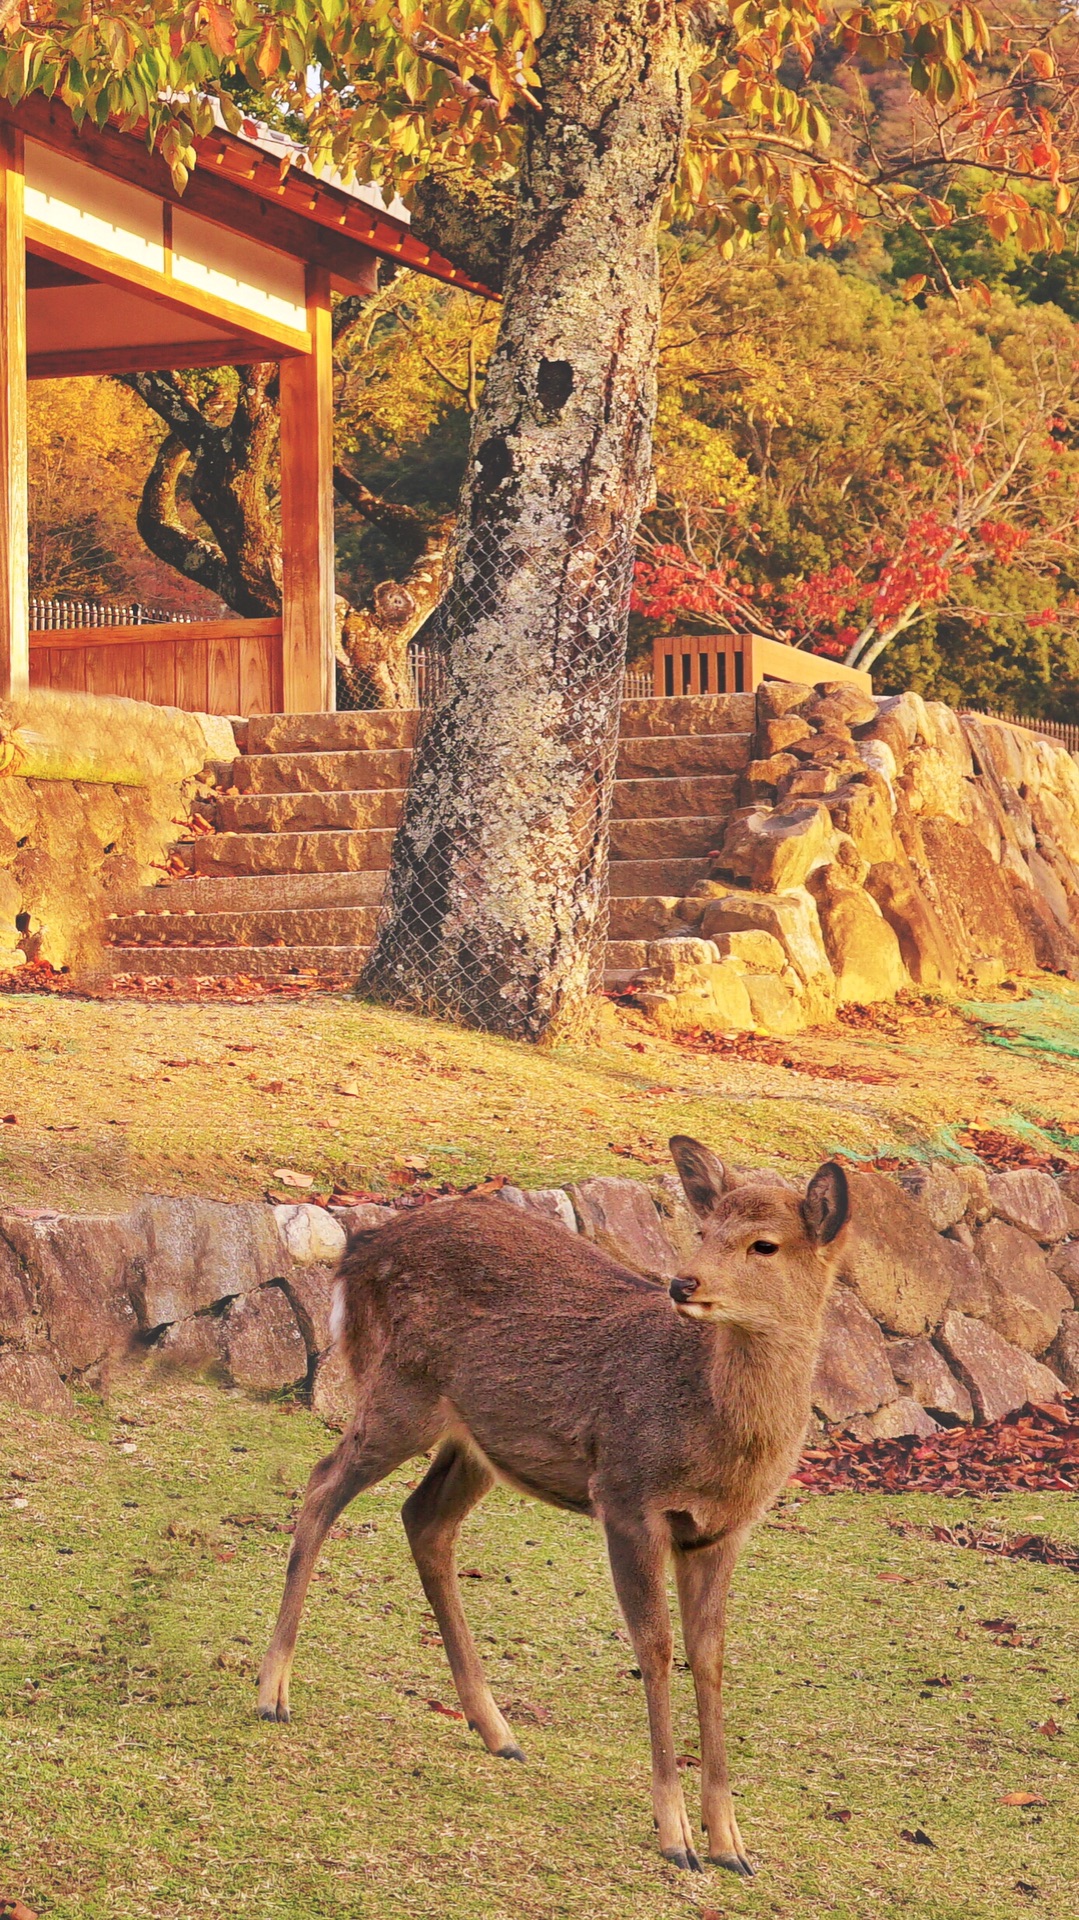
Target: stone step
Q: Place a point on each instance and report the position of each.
(367, 732)
(688, 836)
(698, 795)
(625, 956)
(647, 917)
(228, 963)
(322, 772)
(251, 892)
(633, 877)
(327, 852)
(647, 754)
(265, 927)
(699, 713)
(307, 812)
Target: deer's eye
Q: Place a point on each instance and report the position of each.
(765, 1246)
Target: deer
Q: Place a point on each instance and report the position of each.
(672, 1414)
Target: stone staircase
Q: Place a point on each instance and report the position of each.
(289, 880)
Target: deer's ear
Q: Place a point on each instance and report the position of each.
(826, 1207)
(701, 1174)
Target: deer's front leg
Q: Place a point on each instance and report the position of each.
(704, 1577)
(638, 1567)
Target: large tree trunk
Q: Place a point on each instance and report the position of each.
(496, 899)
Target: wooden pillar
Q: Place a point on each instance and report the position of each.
(14, 589)
(307, 512)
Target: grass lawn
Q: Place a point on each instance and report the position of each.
(141, 1553)
(103, 1099)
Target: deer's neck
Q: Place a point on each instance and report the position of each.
(761, 1374)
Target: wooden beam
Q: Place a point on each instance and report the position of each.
(14, 577)
(159, 632)
(69, 364)
(226, 201)
(307, 513)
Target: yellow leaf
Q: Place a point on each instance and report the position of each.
(913, 287)
(1042, 63)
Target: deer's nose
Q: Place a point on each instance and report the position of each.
(683, 1288)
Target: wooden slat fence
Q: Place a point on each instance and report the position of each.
(203, 666)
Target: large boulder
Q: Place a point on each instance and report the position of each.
(972, 897)
(1064, 1352)
(862, 949)
(790, 918)
(310, 1292)
(852, 1373)
(333, 1389)
(193, 1346)
(776, 1004)
(16, 1302)
(900, 1267)
(31, 1381)
(264, 1348)
(82, 1270)
(1031, 1201)
(923, 942)
(312, 1235)
(684, 984)
(918, 1368)
(550, 1202)
(862, 809)
(620, 1217)
(939, 1190)
(1064, 1263)
(198, 1252)
(775, 849)
(1019, 1296)
(998, 1376)
(894, 1421)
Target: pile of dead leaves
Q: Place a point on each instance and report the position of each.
(1014, 1546)
(773, 1053)
(1003, 1151)
(1035, 1449)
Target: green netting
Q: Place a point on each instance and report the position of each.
(1045, 1021)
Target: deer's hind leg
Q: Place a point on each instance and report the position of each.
(379, 1440)
(456, 1481)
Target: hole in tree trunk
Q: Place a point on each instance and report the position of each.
(554, 384)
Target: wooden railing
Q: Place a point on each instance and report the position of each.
(203, 666)
(695, 663)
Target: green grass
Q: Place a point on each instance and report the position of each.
(135, 1780)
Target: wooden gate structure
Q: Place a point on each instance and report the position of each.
(104, 268)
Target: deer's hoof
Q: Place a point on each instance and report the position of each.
(734, 1863)
(683, 1857)
(512, 1752)
(276, 1714)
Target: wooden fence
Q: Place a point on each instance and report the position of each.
(696, 663)
(203, 666)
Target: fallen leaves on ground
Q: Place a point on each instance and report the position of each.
(1034, 1449)
(756, 1051)
(1002, 1152)
(16, 1910)
(1021, 1800)
(38, 977)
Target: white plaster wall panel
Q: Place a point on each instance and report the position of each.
(65, 319)
(234, 268)
(93, 207)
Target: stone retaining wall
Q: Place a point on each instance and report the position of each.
(89, 806)
(880, 845)
(959, 1296)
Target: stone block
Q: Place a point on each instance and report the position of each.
(193, 1346)
(976, 1181)
(1022, 1300)
(779, 733)
(842, 703)
(198, 1252)
(778, 697)
(333, 1389)
(551, 1202)
(775, 850)
(998, 1376)
(919, 1368)
(680, 1224)
(29, 1380)
(939, 1191)
(16, 1303)
(791, 918)
(1063, 1355)
(264, 1348)
(852, 1372)
(892, 1422)
(310, 1291)
(363, 1219)
(776, 1008)
(753, 949)
(1031, 1201)
(82, 1270)
(761, 779)
(620, 1217)
(862, 949)
(1064, 1263)
(863, 811)
(901, 1268)
(312, 1235)
(923, 942)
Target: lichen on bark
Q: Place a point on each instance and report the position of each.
(496, 896)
